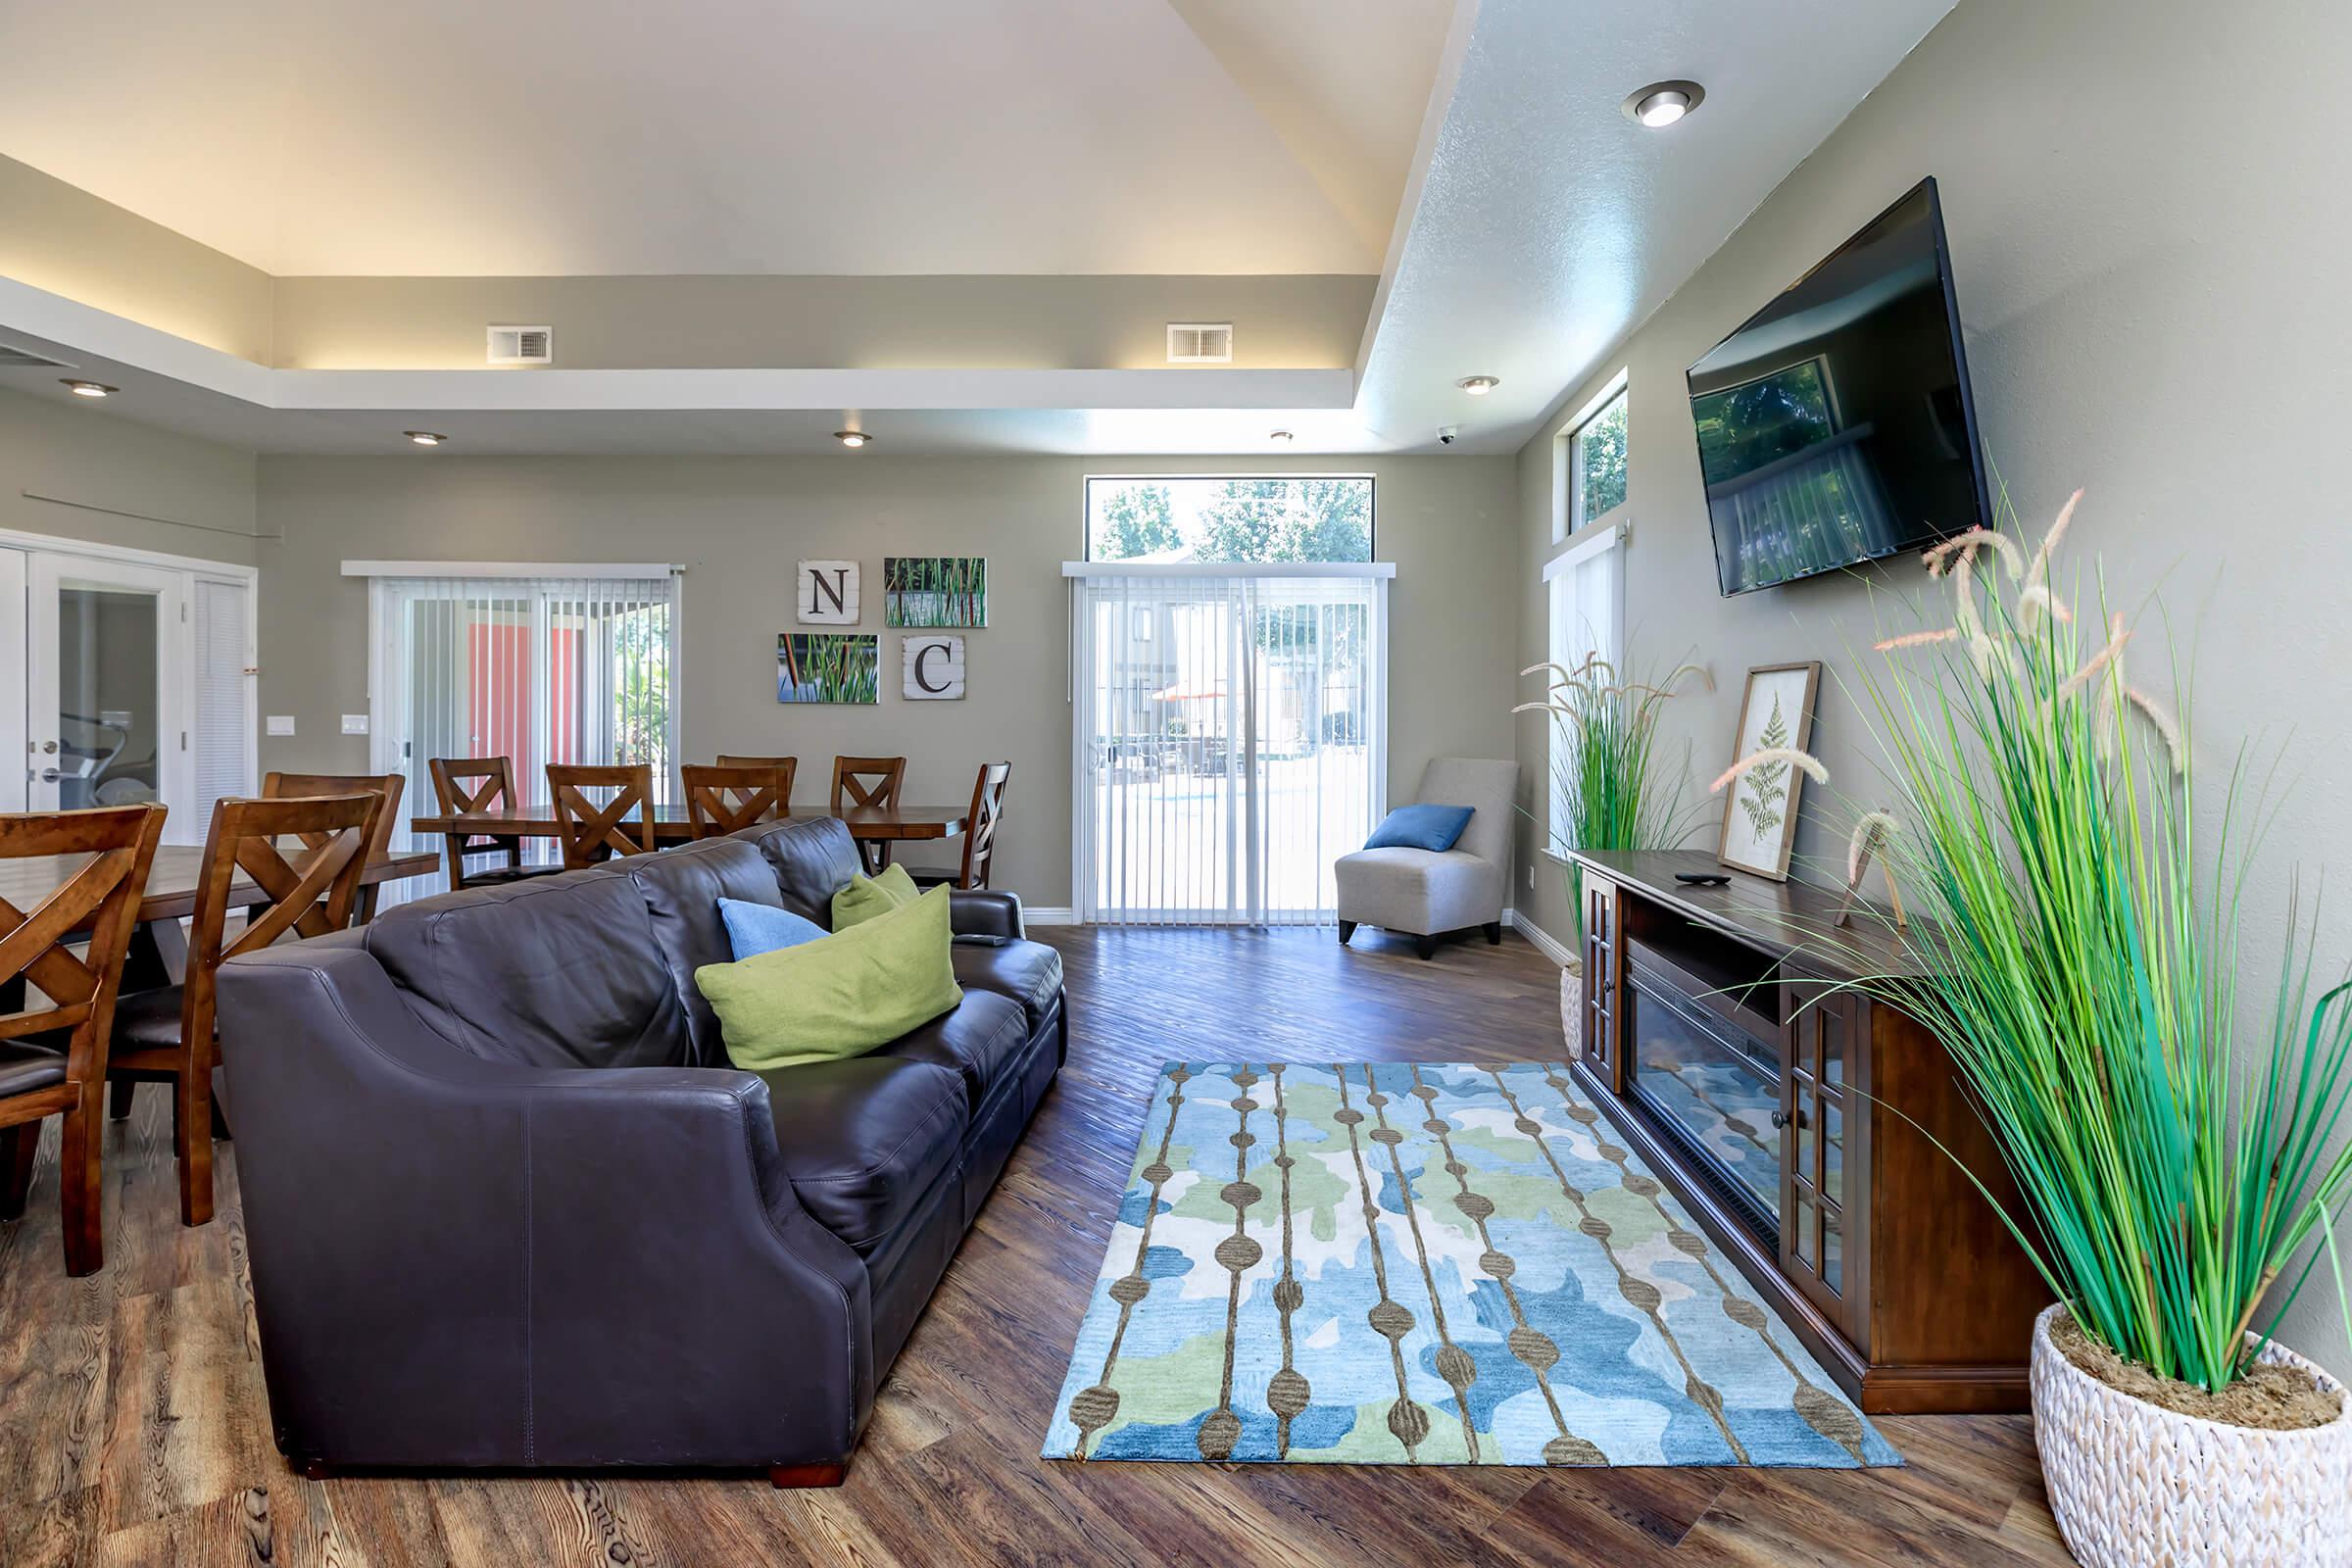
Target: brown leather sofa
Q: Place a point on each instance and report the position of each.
(509, 1206)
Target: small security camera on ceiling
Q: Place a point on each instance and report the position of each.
(1447, 434)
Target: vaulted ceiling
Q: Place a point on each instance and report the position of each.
(596, 137)
(1461, 165)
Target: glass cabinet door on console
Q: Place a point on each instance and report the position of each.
(1821, 1236)
(1600, 981)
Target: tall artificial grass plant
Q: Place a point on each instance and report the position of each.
(2180, 1181)
(1604, 761)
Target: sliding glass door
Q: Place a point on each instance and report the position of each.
(534, 669)
(1230, 739)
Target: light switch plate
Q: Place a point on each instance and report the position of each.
(355, 723)
(281, 723)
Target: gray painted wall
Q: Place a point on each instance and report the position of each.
(740, 525)
(78, 470)
(2145, 204)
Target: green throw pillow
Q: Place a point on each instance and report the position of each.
(840, 995)
(866, 897)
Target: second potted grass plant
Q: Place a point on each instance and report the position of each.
(1607, 789)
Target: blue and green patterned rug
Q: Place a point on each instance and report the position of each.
(1430, 1263)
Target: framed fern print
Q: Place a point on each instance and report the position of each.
(1759, 816)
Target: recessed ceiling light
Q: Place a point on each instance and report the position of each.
(425, 438)
(852, 438)
(1478, 386)
(1279, 435)
(89, 389)
(1662, 103)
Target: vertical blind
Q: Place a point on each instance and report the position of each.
(534, 669)
(1585, 586)
(1229, 741)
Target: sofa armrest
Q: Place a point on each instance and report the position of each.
(982, 912)
(462, 1263)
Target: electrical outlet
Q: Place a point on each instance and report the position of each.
(281, 723)
(355, 723)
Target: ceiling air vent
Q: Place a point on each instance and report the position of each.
(13, 357)
(522, 345)
(1199, 342)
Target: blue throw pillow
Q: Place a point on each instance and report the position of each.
(757, 928)
(1420, 828)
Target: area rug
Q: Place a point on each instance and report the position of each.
(1432, 1263)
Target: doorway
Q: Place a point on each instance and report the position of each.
(124, 677)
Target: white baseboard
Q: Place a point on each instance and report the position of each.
(1557, 952)
(1550, 946)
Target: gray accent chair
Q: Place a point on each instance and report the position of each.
(1423, 894)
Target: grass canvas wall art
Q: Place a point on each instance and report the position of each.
(829, 667)
(935, 590)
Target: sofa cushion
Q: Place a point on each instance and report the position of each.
(813, 858)
(868, 896)
(838, 996)
(558, 971)
(681, 889)
(980, 1039)
(757, 928)
(1029, 972)
(863, 1140)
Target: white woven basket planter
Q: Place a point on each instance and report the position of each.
(1572, 1006)
(2136, 1485)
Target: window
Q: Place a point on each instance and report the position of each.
(536, 669)
(1583, 584)
(1597, 465)
(1197, 519)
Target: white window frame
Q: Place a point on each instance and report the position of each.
(1568, 475)
(1588, 545)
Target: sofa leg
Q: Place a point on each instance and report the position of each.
(1346, 930)
(311, 1469)
(807, 1475)
(1493, 933)
(1426, 947)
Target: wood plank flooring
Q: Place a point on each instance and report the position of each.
(134, 1429)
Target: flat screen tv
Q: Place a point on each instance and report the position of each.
(1835, 425)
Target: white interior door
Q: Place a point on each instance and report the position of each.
(15, 780)
(105, 718)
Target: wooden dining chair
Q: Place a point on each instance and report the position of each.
(168, 1034)
(979, 833)
(591, 833)
(789, 765)
(728, 799)
(468, 784)
(868, 781)
(391, 786)
(48, 1077)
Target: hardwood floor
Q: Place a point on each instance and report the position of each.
(135, 1429)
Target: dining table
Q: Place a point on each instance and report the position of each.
(883, 826)
(158, 949)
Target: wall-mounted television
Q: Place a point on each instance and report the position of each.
(1835, 425)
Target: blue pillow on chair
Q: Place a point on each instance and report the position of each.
(1420, 828)
(757, 928)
